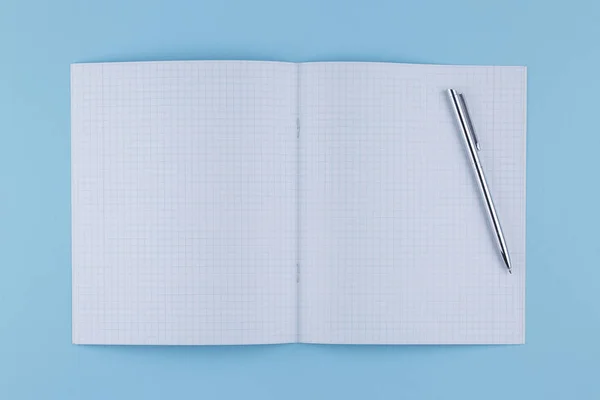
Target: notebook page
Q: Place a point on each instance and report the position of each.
(184, 202)
(396, 246)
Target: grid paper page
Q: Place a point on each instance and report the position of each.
(395, 243)
(184, 202)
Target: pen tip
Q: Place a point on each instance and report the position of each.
(506, 261)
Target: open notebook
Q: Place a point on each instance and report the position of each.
(234, 202)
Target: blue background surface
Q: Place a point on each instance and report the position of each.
(558, 41)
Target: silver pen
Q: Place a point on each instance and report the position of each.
(464, 121)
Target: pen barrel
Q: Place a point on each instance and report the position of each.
(465, 125)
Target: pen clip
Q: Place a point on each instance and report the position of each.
(463, 104)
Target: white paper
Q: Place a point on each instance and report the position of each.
(395, 243)
(184, 202)
(194, 200)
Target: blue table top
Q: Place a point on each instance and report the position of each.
(558, 43)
